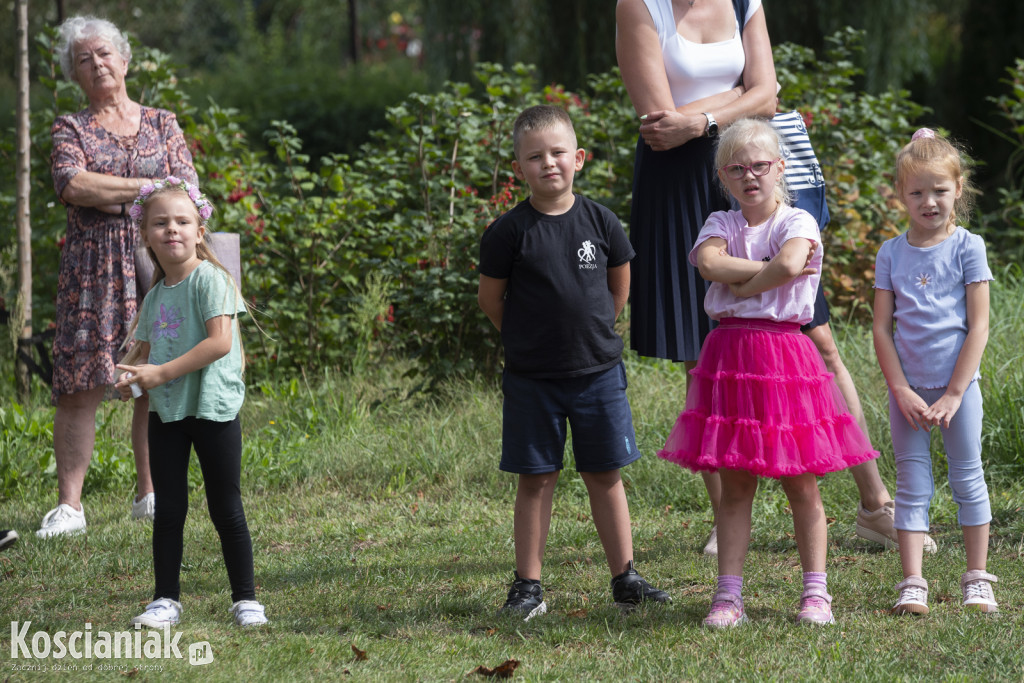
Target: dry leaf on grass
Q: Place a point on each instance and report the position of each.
(361, 655)
(504, 670)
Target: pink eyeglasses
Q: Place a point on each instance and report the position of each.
(758, 169)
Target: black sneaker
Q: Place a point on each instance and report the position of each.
(629, 589)
(525, 597)
(7, 537)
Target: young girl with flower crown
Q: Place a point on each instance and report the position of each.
(188, 358)
(761, 402)
(930, 331)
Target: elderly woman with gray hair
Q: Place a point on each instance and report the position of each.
(101, 157)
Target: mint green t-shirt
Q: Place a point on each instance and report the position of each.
(173, 320)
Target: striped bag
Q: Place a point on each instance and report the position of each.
(803, 172)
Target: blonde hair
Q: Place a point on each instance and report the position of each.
(203, 252)
(929, 151)
(540, 117)
(756, 132)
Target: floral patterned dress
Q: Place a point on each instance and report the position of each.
(97, 295)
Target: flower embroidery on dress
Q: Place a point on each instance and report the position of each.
(924, 279)
(166, 326)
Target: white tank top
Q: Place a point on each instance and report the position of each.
(697, 70)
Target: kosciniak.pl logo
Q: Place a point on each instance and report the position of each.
(89, 644)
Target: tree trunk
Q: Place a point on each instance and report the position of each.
(22, 320)
(353, 32)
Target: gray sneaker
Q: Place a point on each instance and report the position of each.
(913, 598)
(977, 588)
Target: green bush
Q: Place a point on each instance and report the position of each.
(353, 260)
(333, 110)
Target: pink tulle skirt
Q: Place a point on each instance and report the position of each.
(762, 401)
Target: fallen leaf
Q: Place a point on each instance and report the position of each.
(504, 670)
(360, 654)
(578, 613)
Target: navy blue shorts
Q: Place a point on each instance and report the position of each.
(821, 312)
(535, 412)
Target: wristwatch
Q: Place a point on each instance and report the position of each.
(710, 130)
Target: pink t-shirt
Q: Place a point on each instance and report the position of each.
(791, 302)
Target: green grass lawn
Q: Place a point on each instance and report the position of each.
(382, 530)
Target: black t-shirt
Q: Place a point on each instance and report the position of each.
(559, 313)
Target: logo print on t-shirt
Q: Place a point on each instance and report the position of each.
(924, 279)
(587, 254)
(166, 326)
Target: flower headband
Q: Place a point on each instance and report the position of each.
(203, 205)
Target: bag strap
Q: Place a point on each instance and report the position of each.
(740, 7)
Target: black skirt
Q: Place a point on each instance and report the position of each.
(674, 192)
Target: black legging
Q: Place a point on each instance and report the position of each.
(218, 446)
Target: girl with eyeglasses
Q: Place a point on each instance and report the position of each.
(762, 403)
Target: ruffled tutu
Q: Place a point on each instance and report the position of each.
(762, 401)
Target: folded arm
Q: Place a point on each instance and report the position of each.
(216, 345)
(638, 50)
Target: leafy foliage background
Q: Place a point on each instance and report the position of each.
(353, 259)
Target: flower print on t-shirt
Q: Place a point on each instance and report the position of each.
(166, 326)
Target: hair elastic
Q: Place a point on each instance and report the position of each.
(923, 133)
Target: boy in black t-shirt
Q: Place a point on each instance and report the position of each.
(554, 275)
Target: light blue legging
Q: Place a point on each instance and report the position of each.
(962, 440)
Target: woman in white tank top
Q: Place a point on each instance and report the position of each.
(688, 69)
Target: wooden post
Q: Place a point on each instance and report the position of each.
(22, 320)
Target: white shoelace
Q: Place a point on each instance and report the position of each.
(57, 516)
(978, 589)
(913, 594)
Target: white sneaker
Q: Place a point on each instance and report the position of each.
(977, 588)
(159, 613)
(712, 545)
(249, 613)
(62, 519)
(144, 509)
